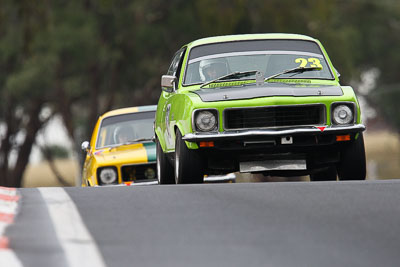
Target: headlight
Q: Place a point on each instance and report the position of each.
(342, 114)
(150, 173)
(205, 121)
(108, 176)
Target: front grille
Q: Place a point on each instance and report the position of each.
(138, 172)
(276, 116)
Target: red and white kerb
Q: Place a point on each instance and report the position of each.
(8, 209)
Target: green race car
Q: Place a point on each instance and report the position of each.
(258, 103)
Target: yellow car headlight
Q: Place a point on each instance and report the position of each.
(108, 175)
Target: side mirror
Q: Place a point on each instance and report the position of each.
(167, 83)
(85, 146)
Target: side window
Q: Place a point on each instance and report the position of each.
(174, 68)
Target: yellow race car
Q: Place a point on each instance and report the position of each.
(121, 150)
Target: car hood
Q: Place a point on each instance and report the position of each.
(127, 154)
(253, 91)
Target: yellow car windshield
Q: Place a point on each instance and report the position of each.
(121, 129)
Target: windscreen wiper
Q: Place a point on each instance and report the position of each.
(132, 142)
(295, 70)
(237, 74)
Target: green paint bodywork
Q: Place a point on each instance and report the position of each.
(151, 151)
(183, 102)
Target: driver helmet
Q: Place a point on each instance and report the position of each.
(123, 133)
(211, 69)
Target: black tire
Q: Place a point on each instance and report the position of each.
(329, 174)
(188, 163)
(352, 164)
(165, 171)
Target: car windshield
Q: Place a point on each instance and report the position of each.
(122, 129)
(209, 62)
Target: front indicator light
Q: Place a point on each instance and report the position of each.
(207, 144)
(340, 138)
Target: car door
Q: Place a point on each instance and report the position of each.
(168, 122)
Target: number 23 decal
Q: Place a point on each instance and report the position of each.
(314, 62)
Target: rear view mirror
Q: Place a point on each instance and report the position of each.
(167, 83)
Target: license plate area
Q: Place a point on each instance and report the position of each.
(273, 165)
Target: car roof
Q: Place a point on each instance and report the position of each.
(243, 37)
(129, 110)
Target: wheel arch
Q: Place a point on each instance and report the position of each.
(190, 145)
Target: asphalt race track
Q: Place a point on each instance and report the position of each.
(243, 224)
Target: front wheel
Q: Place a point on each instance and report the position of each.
(352, 160)
(188, 163)
(165, 171)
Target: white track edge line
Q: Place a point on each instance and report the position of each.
(9, 259)
(75, 239)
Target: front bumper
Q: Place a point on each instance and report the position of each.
(293, 151)
(312, 130)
